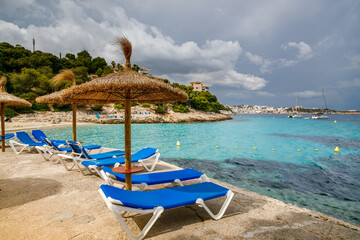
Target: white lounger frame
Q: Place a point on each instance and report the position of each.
(93, 168)
(13, 144)
(116, 206)
(48, 153)
(142, 186)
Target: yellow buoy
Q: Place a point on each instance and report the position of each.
(144, 143)
(335, 121)
(337, 149)
(111, 142)
(254, 148)
(235, 147)
(273, 149)
(316, 149)
(178, 143)
(98, 141)
(298, 150)
(197, 145)
(217, 146)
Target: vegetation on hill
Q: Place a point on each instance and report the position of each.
(28, 75)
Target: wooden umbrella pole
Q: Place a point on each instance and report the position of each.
(127, 140)
(3, 127)
(74, 121)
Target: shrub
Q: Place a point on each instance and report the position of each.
(10, 112)
(40, 107)
(145, 105)
(62, 107)
(119, 106)
(180, 108)
(97, 107)
(161, 108)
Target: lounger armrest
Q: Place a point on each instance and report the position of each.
(155, 157)
(66, 156)
(229, 195)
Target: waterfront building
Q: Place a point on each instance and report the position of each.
(199, 87)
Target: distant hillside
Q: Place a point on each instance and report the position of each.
(28, 75)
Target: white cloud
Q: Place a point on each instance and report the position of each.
(264, 94)
(305, 51)
(354, 61)
(306, 94)
(355, 83)
(258, 60)
(74, 29)
(242, 94)
(225, 77)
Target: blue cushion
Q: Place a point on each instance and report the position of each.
(91, 147)
(159, 177)
(142, 154)
(7, 136)
(166, 198)
(25, 138)
(104, 155)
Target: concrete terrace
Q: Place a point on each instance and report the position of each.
(39, 200)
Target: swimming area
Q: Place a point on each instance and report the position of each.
(268, 154)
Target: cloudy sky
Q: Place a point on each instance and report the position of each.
(248, 52)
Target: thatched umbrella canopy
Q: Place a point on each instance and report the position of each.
(56, 97)
(8, 99)
(126, 86)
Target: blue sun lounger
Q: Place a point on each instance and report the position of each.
(81, 152)
(26, 142)
(52, 149)
(40, 136)
(118, 200)
(141, 156)
(7, 136)
(143, 180)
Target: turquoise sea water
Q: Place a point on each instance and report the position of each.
(320, 180)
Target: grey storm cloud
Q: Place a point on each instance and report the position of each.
(269, 50)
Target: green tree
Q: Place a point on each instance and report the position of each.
(97, 63)
(81, 74)
(107, 70)
(83, 59)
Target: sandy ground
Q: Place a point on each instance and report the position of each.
(40, 200)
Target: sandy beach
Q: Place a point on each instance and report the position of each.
(40, 200)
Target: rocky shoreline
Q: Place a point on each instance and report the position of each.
(138, 116)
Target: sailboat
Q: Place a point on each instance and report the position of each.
(321, 115)
(295, 115)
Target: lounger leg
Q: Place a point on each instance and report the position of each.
(204, 178)
(157, 155)
(142, 234)
(44, 153)
(12, 144)
(62, 160)
(117, 209)
(229, 196)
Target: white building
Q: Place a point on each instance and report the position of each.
(199, 87)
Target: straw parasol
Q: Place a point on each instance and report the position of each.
(8, 99)
(125, 86)
(56, 97)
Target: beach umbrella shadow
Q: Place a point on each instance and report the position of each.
(19, 191)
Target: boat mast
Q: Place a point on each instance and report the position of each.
(324, 98)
